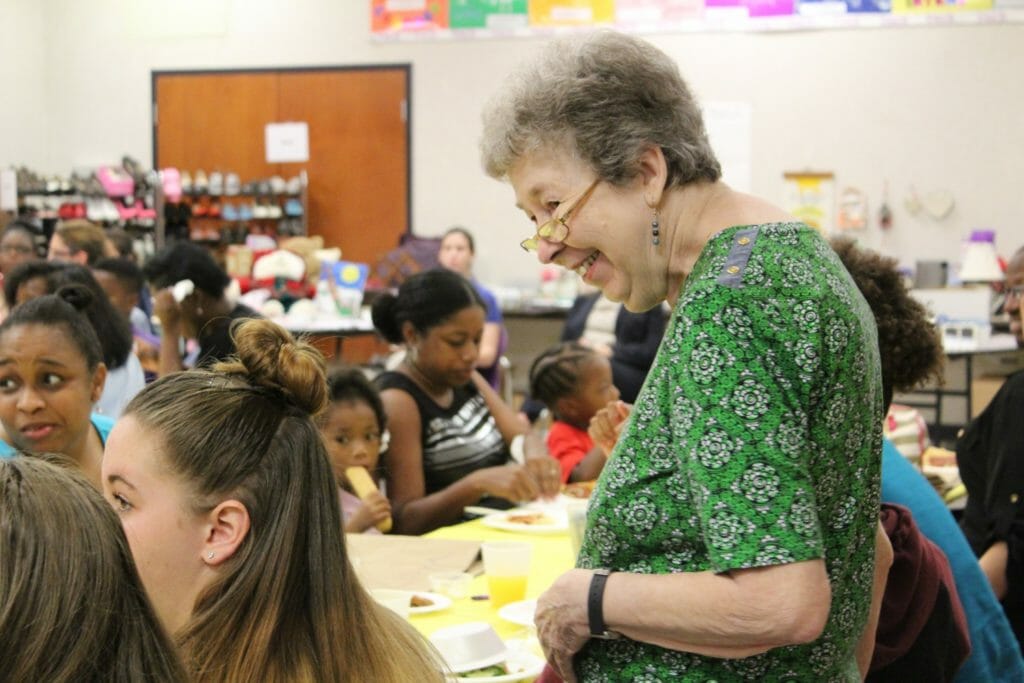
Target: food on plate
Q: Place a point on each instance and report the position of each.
(579, 489)
(528, 518)
(487, 672)
(420, 601)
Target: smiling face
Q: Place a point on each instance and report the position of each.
(448, 352)
(46, 389)
(352, 435)
(608, 242)
(456, 254)
(165, 535)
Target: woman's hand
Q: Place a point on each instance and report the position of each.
(607, 423)
(374, 510)
(561, 620)
(511, 482)
(546, 473)
(167, 309)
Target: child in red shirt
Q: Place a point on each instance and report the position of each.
(574, 382)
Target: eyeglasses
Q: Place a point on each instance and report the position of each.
(556, 229)
(1015, 292)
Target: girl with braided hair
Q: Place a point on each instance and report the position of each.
(574, 382)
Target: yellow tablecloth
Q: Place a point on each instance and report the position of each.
(551, 556)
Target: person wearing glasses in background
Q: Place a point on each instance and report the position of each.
(17, 245)
(990, 454)
(732, 533)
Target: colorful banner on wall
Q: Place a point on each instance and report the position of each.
(571, 12)
(654, 12)
(811, 197)
(750, 8)
(938, 6)
(400, 16)
(493, 14)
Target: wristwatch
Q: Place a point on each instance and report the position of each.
(595, 608)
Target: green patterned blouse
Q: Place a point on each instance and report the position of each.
(755, 441)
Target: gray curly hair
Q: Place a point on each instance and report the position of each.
(605, 96)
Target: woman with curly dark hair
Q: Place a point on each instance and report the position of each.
(911, 644)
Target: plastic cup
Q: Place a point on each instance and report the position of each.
(507, 567)
(453, 584)
(577, 513)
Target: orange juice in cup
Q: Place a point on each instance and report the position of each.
(507, 566)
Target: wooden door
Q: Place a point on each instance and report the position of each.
(359, 191)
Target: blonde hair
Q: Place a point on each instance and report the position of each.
(289, 606)
(72, 607)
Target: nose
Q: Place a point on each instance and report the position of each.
(29, 400)
(546, 250)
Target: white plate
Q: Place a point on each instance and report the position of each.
(440, 602)
(559, 522)
(520, 613)
(529, 665)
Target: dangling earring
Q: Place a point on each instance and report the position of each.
(655, 230)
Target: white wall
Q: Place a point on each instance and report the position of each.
(936, 107)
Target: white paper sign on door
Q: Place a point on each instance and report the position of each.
(8, 190)
(287, 142)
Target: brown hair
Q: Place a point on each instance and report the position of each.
(288, 606)
(81, 235)
(72, 607)
(909, 344)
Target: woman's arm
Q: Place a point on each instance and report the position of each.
(993, 562)
(489, 345)
(169, 313)
(883, 562)
(510, 423)
(736, 614)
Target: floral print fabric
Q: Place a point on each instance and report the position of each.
(755, 441)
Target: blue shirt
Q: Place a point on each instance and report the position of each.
(101, 423)
(995, 655)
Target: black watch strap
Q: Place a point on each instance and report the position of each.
(595, 606)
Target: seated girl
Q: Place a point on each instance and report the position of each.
(353, 431)
(51, 374)
(450, 431)
(71, 604)
(574, 382)
(231, 510)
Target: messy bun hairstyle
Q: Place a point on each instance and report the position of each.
(287, 603)
(66, 309)
(426, 300)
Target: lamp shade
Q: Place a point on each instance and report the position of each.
(981, 263)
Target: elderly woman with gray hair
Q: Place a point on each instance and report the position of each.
(732, 533)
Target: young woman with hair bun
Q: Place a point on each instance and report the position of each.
(51, 374)
(71, 605)
(230, 507)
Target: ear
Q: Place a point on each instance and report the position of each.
(566, 407)
(653, 173)
(227, 527)
(409, 333)
(99, 380)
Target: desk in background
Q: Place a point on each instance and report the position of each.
(328, 328)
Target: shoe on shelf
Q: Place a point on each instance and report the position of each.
(214, 210)
(294, 185)
(232, 185)
(277, 184)
(186, 182)
(216, 183)
(274, 211)
(229, 212)
(200, 183)
(293, 208)
(115, 181)
(171, 180)
(245, 212)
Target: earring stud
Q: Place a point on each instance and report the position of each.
(210, 556)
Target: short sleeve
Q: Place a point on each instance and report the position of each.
(567, 446)
(746, 362)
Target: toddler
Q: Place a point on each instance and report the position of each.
(574, 382)
(353, 431)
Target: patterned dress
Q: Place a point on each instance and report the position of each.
(756, 441)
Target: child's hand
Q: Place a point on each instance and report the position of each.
(374, 510)
(607, 423)
(511, 482)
